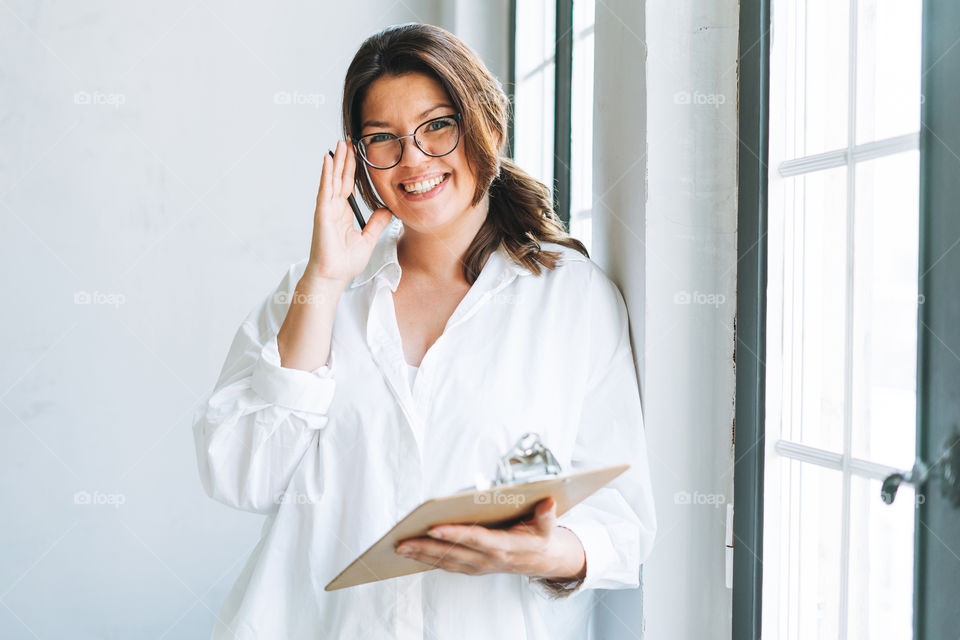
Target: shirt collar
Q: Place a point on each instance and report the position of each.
(385, 264)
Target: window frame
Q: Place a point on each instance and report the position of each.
(750, 352)
(562, 110)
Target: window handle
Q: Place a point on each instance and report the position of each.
(946, 467)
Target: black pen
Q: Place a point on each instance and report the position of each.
(353, 203)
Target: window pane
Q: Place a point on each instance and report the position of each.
(809, 75)
(888, 68)
(881, 562)
(581, 134)
(535, 42)
(802, 568)
(885, 309)
(533, 130)
(535, 39)
(813, 250)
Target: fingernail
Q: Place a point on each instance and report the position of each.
(403, 550)
(435, 533)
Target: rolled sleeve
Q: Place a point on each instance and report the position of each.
(261, 419)
(294, 389)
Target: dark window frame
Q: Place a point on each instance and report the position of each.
(753, 127)
(562, 115)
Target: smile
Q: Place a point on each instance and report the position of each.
(425, 186)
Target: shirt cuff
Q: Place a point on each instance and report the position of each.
(295, 389)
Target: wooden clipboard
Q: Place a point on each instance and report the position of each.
(499, 506)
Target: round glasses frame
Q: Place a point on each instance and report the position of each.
(363, 155)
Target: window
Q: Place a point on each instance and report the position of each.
(535, 41)
(581, 123)
(841, 317)
(540, 110)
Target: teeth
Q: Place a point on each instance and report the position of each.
(424, 186)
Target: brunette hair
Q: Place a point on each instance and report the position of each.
(521, 213)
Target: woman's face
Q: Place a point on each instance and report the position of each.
(399, 104)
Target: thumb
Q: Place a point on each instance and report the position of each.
(378, 221)
(545, 514)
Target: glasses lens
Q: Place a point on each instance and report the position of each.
(438, 137)
(381, 150)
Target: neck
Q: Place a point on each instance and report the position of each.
(438, 253)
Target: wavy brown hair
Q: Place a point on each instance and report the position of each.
(521, 213)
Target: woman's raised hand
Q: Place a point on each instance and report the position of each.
(338, 251)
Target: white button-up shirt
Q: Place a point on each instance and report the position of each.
(335, 457)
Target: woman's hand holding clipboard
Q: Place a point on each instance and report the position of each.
(500, 506)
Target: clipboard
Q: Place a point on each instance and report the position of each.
(525, 476)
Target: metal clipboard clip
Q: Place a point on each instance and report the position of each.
(527, 461)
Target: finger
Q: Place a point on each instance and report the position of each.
(546, 513)
(435, 552)
(337, 169)
(326, 182)
(473, 536)
(543, 519)
(377, 222)
(546, 508)
(349, 169)
(448, 565)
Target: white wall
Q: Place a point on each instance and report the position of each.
(485, 27)
(665, 231)
(183, 191)
(618, 227)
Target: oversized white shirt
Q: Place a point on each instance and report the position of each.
(335, 457)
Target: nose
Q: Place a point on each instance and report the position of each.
(412, 155)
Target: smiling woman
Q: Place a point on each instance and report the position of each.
(316, 422)
(405, 74)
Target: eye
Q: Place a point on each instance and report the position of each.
(438, 124)
(379, 137)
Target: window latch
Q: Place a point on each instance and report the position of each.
(946, 467)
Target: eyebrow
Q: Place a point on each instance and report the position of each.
(377, 123)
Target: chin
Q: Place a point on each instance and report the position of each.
(425, 219)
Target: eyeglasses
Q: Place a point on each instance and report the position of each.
(436, 137)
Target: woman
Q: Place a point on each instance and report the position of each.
(399, 363)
